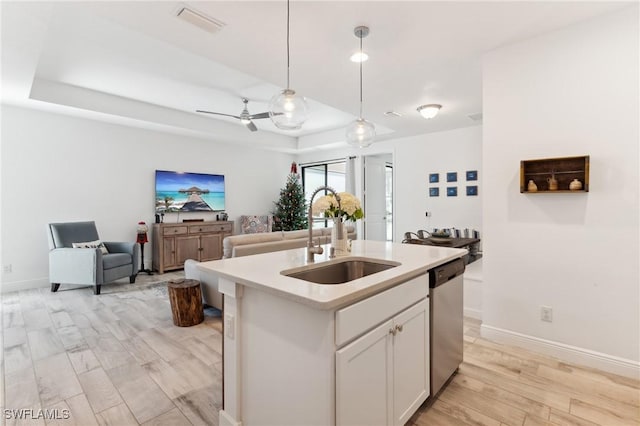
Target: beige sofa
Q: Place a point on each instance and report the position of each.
(250, 244)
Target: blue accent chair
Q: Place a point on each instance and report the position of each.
(88, 266)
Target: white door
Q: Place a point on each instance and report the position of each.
(364, 379)
(375, 210)
(410, 361)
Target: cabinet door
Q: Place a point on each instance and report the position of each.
(211, 245)
(187, 248)
(410, 361)
(168, 253)
(364, 379)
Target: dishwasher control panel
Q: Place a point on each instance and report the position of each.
(446, 272)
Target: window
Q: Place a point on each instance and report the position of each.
(332, 174)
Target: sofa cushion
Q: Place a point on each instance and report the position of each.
(230, 242)
(259, 248)
(302, 233)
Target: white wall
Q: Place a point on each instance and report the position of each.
(61, 168)
(569, 92)
(416, 157)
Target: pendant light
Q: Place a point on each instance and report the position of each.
(287, 110)
(361, 132)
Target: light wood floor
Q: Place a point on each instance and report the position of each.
(117, 359)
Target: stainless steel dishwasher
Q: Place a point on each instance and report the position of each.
(445, 325)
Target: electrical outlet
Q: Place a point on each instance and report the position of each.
(546, 313)
(230, 326)
(427, 214)
(7, 268)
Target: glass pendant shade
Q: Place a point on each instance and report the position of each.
(288, 111)
(361, 133)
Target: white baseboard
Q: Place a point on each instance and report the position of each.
(7, 287)
(473, 313)
(225, 419)
(568, 353)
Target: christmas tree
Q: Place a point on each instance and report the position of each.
(291, 209)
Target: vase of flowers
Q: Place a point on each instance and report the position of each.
(349, 208)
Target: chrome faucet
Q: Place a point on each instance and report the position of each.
(311, 248)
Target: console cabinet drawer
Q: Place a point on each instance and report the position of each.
(197, 229)
(175, 230)
(356, 319)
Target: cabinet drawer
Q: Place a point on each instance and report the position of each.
(354, 320)
(196, 229)
(174, 230)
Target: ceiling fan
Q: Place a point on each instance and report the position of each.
(244, 117)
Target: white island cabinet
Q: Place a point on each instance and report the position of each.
(300, 353)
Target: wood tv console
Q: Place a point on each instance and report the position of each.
(173, 243)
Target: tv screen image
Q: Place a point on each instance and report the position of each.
(188, 192)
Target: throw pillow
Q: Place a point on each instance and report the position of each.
(255, 224)
(92, 244)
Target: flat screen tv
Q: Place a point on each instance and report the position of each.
(188, 192)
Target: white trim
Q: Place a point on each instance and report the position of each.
(8, 287)
(224, 419)
(574, 354)
(473, 313)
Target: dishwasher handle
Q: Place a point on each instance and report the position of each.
(446, 272)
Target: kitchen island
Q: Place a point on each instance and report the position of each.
(297, 352)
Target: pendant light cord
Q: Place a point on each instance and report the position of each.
(287, 44)
(361, 75)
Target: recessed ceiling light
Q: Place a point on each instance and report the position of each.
(429, 111)
(359, 57)
(392, 114)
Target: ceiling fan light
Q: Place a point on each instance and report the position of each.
(360, 133)
(288, 111)
(359, 57)
(429, 111)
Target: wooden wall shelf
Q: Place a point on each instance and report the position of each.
(564, 169)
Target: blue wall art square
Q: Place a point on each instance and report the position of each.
(434, 178)
(472, 190)
(434, 192)
(452, 176)
(452, 191)
(472, 175)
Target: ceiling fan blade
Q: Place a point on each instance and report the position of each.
(259, 116)
(218, 113)
(251, 126)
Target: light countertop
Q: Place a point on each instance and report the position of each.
(262, 271)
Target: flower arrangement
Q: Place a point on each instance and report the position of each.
(350, 208)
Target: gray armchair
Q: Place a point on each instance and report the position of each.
(68, 265)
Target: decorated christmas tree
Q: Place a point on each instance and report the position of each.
(291, 209)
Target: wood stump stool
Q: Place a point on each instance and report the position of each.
(186, 302)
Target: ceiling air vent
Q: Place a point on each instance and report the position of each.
(199, 19)
(476, 116)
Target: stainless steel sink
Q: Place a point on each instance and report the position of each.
(341, 271)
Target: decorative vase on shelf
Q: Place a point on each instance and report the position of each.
(339, 237)
(532, 187)
(575, 185)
